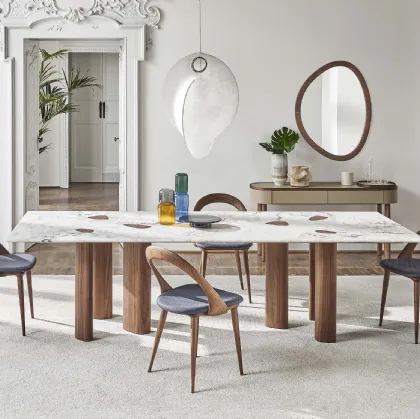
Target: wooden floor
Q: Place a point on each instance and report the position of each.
(80, 197)
(58, 259)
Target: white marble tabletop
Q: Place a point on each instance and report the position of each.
(291, 227)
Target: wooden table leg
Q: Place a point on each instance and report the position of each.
(84, 291)
(137, 289)
(102, 281)
(379, 246)
(277, 286)
(387, 246)
(312, 281)
(263, 245)
(325, 292)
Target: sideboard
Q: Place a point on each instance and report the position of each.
(326, 193)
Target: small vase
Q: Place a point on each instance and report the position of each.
(279, 169)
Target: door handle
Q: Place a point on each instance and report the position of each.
(103, 110)
(116, 139)
(100, 110)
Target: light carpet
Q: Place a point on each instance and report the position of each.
(370, 373)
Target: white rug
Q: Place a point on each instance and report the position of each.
(369, 373)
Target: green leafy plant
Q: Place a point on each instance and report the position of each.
(55, 89)
(282, 141)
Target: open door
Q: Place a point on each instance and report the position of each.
(31, 49)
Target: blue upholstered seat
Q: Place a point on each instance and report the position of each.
(405, 267)
(224, 246)
(190, 299)
(16, 263)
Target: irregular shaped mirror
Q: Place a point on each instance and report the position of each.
(334, 111)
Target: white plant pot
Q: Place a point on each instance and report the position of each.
(279, 169)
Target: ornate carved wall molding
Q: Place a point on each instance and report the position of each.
(122, 11)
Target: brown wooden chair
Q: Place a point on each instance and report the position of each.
(193, 300)
(220, 198)
(17, 265)
(406, 266)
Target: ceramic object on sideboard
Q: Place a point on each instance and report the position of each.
(279, 168)
(300, 176)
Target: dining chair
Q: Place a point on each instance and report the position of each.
(406, 266)
(17, 265)
(221, 198)
(193, 300)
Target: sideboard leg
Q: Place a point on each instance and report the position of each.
(137, 289)
(263, 245)
(387, 246)
(277, 286)
(259, 251)
(379, 247)
(326, 292)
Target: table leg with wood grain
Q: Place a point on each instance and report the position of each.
(325, 292)
(379, 246)
(277, 286)
(84, 292)
(312, 281)
(137, 289)
(102, 281)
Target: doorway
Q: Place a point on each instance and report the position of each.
(94, 130)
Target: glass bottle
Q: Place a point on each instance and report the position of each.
(166, 208)
(371, 176)
(182, 200)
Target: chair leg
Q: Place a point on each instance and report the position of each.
(21, 303)
(161, 325)
(31, 297)
(235, 324)
(194, 344)
(238, 264)
(416, 310)
(384, 294)
(248, 278)
(203, 265)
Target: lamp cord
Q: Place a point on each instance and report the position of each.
(200, 25)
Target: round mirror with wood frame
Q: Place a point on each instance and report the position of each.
(336, 106)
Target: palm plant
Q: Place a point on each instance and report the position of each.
(55, 89)
(283, 141)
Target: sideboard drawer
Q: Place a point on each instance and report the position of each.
(355, 197)
(299, 197)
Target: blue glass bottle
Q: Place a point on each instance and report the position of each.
(182, 199)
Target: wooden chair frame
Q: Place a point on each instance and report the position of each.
(216, 306)
(19, 275)
(221, 198)
(406, 253)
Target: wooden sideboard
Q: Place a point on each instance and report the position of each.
(326, 193)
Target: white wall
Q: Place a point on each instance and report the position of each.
(49, 161)
(272, 46)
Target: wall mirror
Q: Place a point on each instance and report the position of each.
(334, 110)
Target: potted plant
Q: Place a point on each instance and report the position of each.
(282, 142)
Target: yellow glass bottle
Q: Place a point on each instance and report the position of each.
(166, 208)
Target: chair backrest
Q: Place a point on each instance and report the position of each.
(407, 252)
(219, 198)
(216, 304)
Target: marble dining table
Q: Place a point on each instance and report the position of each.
(94, 232)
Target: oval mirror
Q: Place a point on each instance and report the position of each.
(334, 111)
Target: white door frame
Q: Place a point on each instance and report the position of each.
(55, 19)
(100, 46)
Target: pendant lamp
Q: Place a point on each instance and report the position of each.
(201, 98)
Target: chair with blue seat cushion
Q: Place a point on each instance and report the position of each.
(220, 198)
(193, 300)
(406, 266)
(17, 265)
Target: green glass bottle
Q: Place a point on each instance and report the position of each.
(166, 208)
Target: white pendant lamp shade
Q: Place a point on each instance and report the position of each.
(202, 97)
